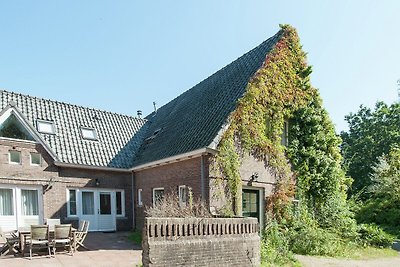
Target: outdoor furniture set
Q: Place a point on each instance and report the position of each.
(50, 236)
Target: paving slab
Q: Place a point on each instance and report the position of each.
(106, 250)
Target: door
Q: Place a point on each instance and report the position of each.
(98, 207)
(20, 206)
(88, 208)
(106, 213)
(251, 203)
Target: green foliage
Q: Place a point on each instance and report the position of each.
(371, 134)
(136, 237)
(383, 205)
(275, 245)
(373, 235)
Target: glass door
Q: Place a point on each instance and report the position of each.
(107, 219)
(251, 203)
(88, 208)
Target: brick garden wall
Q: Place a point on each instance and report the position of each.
(201, 242)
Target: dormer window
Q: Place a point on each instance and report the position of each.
(89, 133)
(46, 127)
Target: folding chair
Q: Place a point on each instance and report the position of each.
(80, 234)
(8, 242)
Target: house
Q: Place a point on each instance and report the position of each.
(72, 162)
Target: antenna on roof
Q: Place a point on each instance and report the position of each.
(155, 107)
(139, 113)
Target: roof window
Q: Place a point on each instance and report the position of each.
(46, 127)
(89, 133)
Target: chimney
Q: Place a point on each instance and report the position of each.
(155, 107)
(139, 113)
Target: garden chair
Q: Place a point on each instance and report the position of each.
(52, 222)
(62, 237)
(8, 242)
(39, 238)
(80, 234)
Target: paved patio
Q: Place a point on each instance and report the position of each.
(106, 249)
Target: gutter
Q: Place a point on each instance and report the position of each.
(82, 166)
(176, 158)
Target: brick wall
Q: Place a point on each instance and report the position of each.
(201, 242)
(170, 177)
(54, 200)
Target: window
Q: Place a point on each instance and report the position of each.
(120, 202)
(46, 127)
(89, 133)
(139, 197)
(158, 195)
(6, 202)
(30, 202)
(36, 159)
(182, 193)
(285, 134)
(14, 157)
(88, 203)
(72, 202)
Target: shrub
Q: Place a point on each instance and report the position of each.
(373, 235)
(169, 206)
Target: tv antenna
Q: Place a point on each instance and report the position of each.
(398, 90)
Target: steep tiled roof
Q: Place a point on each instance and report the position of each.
(119, 136)
(193, 120)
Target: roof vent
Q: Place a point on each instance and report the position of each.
(139, 113)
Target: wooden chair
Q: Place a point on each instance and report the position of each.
(62, 237)
(8, 242)
(80, 234)
(52, 222)
(39, 238)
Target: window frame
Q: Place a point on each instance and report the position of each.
(40, 159)
(51, 123)
(95, 138)
(139, 197)
(154, 197)
(285, 134)
(122, 203)
(69, 203)
(182, 202)
(12, 162)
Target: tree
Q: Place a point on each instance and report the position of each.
(371, 134)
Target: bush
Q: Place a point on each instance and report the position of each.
(169, 206)
(373, 235)
(275, 246)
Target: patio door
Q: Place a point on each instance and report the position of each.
(251, 203)
(98, 207)
(20, 206)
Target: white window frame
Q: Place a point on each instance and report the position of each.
(182, 202)
(154, 195)
(76, 203)
(95, 138)
(139, 197)
(40, 159)
(122, 203)
(9, 157)
(50, 123)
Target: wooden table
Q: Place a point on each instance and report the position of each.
(25, 232)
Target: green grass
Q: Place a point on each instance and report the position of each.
(370, 253)
(136, 237)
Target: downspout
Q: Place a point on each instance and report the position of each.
(202, 179)
(133, 200)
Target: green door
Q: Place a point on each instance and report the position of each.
(251, 203)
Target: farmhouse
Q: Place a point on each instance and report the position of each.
(64, 161)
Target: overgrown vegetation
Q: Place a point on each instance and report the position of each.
(281, 91)
(169, 206)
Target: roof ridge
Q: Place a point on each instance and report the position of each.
(73, 105)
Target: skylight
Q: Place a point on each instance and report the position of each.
(46, 127)
(89, 133)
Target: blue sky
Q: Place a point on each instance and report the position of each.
(123, 55)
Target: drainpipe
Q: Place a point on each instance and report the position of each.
(133, 200)
(202, 179)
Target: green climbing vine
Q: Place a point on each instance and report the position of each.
(279, 88)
